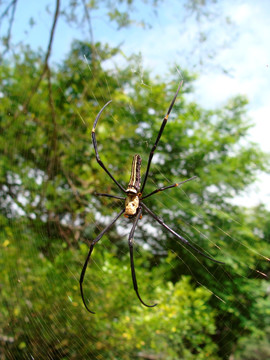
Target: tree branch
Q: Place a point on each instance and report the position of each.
(13, 4)
(46, 66)
(88, 18)
(53, 157)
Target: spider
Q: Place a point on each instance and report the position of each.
(134, 202)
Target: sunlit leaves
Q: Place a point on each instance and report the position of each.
(48, 177)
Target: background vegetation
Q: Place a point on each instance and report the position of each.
(49, 214)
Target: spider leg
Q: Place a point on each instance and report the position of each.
(109, 195)
(159, 135)
(130, 243)
(96, 149)
(161, 222)
(89, 255)
(168, 187)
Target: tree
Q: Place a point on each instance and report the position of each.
(48, 176)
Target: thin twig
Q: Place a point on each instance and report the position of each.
(45, 67)
(53, 159)
(88, 17)
(14, 3)
(5, 12)
(89, 22)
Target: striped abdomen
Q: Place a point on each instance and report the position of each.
(135, 176)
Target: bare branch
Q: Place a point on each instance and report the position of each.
(5, 12)
(88, 18)
(7, 40)
(53, 158)
(46, 66)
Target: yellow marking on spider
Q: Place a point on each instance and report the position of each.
(131, 204)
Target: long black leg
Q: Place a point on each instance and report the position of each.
(89, 255)
(159, 136)
(130, 243)
(168, 187)
(96, 149)
(110, 196)
(161, 222)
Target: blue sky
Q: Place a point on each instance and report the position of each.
(168, 41)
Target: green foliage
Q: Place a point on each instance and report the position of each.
(42, 313)
(254, 347)
(48, 175)
(120, 12)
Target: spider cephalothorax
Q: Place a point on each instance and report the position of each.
(134, 202)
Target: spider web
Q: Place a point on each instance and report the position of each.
(155, 231)
(102, 272)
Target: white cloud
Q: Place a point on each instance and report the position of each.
(261, 131)
(241, 13)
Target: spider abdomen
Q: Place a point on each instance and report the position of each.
(135, 176)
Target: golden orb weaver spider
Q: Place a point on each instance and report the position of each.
(134, 202)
